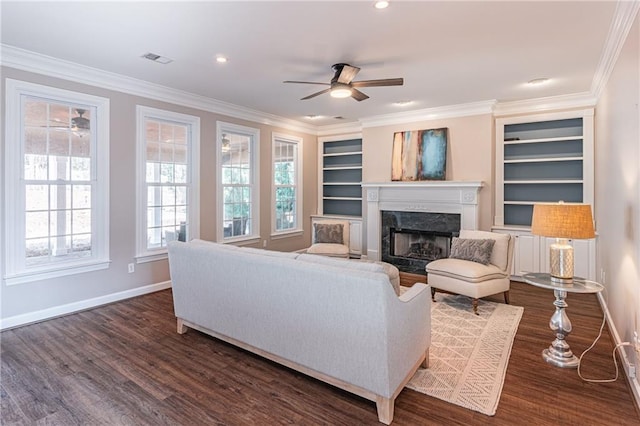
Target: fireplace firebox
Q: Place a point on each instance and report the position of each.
(410, 240)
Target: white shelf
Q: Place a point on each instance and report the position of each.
(543, 160)
(343, 168)
(342, 154)
(343, 198)
(342, 183)
(539, 181)
(565, 138)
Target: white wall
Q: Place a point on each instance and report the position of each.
(617, 213)
(22, 303)
(470, 154)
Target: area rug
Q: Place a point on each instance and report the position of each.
(469, 353)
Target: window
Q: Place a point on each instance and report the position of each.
(168, 176)
(57, 185)
(238, 189)
(287, 190)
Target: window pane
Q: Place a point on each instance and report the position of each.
(35, 167)
(80, 168)
(180, 173)
(81, 221)
(60, 197)
(153, 151)
(180, 135)
(81, 196)
(35, 113)
(180, 153)
(80, 145)
(36, 224)
(168, 195)
(37, 197)
(81, 243)
(152, 131)
(59, 168)
(166, 173)
(35, 140)
(166, 153)
(181, 195)
(153, 172)
(37, 248)
(59, 142)
(168, 216)
(154, 238)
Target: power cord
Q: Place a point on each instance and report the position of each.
(613, 354)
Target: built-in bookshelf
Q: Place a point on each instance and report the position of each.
(542, 158)
(341, 163)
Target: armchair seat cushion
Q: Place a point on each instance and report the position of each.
(329, 249)
(465, 270)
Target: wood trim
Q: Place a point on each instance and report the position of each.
(384, 405)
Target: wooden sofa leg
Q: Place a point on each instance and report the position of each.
(181, 327)
(385, 410)
(425, 362)
(433, 294)
(506, 297)
(474, 303)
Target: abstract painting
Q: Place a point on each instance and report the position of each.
(419, 155)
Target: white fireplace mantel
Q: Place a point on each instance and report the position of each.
(457, 197)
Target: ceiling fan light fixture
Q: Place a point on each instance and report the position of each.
(340, 91)
(222, 59)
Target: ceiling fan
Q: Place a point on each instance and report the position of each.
(78, 124)
(343, 86)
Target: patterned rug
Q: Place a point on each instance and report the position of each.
(469, 353)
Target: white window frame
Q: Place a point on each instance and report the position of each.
(143, 254)
(297, 141)
(254, 135)
(16, 271)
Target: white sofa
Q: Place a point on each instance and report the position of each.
(338, 322)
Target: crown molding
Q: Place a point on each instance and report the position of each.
(550, 103)
(450, 111)
(621, 24)
(25, 60)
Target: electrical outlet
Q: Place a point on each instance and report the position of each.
(131, 267)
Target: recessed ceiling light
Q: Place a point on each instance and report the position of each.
(403, 103)
(538, 81)
(221, 59)
(381, 4)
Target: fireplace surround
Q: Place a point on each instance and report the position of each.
(443, 200)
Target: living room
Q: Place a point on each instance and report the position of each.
(610, 87)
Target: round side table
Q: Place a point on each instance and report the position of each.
(559, 353)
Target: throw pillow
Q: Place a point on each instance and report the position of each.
(474, 250)
(328, 233)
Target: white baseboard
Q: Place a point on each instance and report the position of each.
(633, 382)
(45, 314)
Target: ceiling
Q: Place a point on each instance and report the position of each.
(448, 52)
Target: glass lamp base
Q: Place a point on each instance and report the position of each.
(561, 261)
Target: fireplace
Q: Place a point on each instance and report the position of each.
(410, 240)
(441, 208)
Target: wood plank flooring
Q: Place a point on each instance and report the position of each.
(124, 364)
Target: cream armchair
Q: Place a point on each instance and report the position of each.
(457, 274)
(330, 237)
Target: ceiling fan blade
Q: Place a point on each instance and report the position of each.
(347, 73)
(313, 95)
(378, 83)
(306, 82)
(358, 95)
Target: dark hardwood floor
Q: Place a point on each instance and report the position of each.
(124, 364)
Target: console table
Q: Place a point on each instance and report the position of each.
(559, 353)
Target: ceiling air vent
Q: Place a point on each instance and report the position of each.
(156, 58)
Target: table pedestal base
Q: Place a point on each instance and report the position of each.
(559, 353)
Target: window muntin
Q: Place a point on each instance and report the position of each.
(168, 195)
(57, 182)
(238, 197)
(287, 197)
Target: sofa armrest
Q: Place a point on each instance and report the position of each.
(412, 292)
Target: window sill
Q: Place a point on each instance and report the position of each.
(146, 258)
(242, 241)
(287, 234)
(58, 271)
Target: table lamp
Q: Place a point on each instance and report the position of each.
(562, 221)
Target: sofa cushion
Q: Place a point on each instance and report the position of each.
(500, 254)
(231, 247)
(326, 249)
(462, 269)
(329, 233)
(341, 263)
(471, 249)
